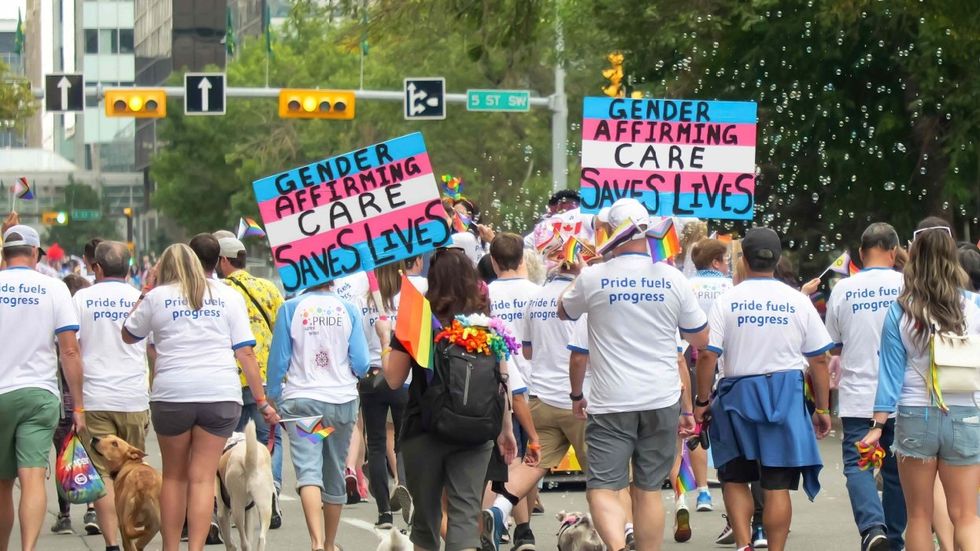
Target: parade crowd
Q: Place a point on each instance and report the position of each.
(574, 336)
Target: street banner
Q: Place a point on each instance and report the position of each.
(352, 212)
(688, 158)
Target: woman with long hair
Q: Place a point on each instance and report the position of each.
(431, 463)
(199, 329)
(934, 433)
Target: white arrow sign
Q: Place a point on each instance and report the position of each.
(64, 85)
(205, 88)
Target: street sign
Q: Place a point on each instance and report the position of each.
(64, 92)
(498, 100)
(86, 214)
(425, 98)
(204, 93)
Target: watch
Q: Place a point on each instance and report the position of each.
(576, 397)
(876, 425)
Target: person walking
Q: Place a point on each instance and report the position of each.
(319, 348)
(36, 314)
(433, 463)
(199, 327)
(759, 427)
(936, 432)
(115, 382)
(262, 300)
(855, 315)
(635, 308)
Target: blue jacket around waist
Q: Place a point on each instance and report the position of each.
(763, 418)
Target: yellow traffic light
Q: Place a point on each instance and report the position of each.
(54, 218)
(128, 212)
(140, 103)
(316, 104)
(614, 75)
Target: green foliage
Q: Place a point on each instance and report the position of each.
(73, 235)
(16, 101)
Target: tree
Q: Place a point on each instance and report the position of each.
(16, 101)
(73, 235)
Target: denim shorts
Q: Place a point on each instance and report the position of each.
(925, 432)
(320, 462)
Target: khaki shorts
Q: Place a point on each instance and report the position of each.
(29, 417)
(130, 426)
(557, 430)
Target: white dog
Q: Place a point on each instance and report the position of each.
(576, 533)
(393, 540)
(244, 489)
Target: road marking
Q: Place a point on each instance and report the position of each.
(358, 523)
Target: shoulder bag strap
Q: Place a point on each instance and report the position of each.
(258, 306)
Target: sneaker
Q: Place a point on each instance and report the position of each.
(91, 523)
(523, 538)
(403, 500)
(759, 540)
(630, 541)
(505, 536)
(704, 501)
(493, 528)
(874, 540)
(62, 526)
(384, 521)
(353, 493)
(214, 535)
(727, 535)
(682, 523)
(538, 508)
(275, 522)
(183, 532)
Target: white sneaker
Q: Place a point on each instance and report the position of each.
(682, 521)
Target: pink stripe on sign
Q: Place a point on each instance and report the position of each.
(662, 180)
(685, 133)
(358, 232)
(355, 184)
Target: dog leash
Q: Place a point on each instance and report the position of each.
(271, 444)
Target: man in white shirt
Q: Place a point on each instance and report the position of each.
(759, 426)
(635, 308)
(35, 313)
(116, 387)
(855, 316)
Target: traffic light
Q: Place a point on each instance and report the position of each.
(316, 104)
(614, 75)
(128, 212)
(54, 218)
(139, 103)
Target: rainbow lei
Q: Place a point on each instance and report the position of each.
(481, 335)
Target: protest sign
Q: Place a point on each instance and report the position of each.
(678, 157)
(352, 212)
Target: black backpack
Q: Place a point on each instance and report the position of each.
(464, 401)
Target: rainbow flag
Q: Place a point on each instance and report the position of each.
(452, 186)
(22, 189)
(685, 481)
(248, 227)
(620, 235)
(601, 236)
(663, 241)
(461, 222)
(315, 433)
(852, 268)
(571, 249)
(819, 300)
(414, 325)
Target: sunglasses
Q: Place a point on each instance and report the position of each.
(946, 229)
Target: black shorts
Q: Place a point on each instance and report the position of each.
(176, 418)
(743, 471)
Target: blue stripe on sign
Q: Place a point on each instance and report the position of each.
(734, 207)
(669, 109)
(398, 148)
(389, 248)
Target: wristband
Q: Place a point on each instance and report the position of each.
(385, 352)
(819, 411)
(687, 414)
(534, 446)
(78, 410)
(700, 404)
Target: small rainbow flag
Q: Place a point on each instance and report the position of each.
(571, 249)
(453, 186)
(316, 433)
(601, 236)
(620, 235)
(852, 268)
(685, 481)
(414, 325)
(461, 222)
(663, 241)
(248, 227)
(819, 300)
(22, 189)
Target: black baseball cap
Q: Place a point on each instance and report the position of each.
(762, 244)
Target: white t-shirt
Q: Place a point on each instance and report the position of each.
(353, 287)
(195, 348)
(548, 338)
(115, 374)
(708, 286)
(635, 308)
(762, 326)
(33, 309)
(508, 301)
(855, 314)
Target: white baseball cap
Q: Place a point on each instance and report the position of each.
(628, 208)
(230, 247)
(26, 237)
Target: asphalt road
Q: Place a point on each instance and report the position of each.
(823, 524)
